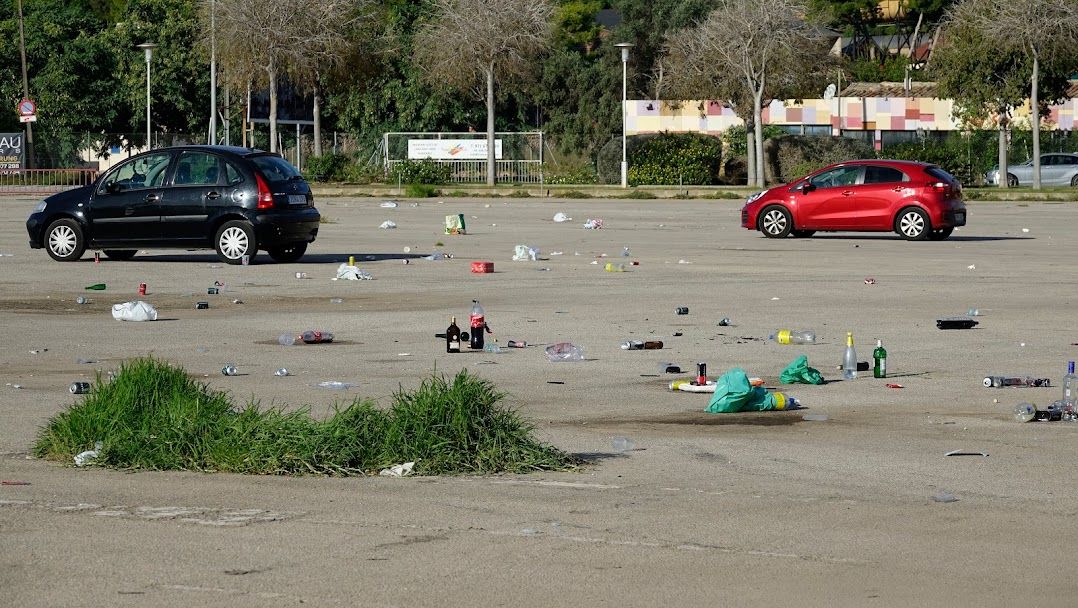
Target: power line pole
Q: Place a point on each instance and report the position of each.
(26, 94)
(213, 72)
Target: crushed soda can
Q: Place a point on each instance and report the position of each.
(212, 291)
(725, 322)
(282, 372)
(79, 388)
(202, 305)
(229, 370)
(870, 281)
(682, 310)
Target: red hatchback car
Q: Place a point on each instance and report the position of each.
(916, 200)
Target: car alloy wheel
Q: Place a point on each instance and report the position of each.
(64, 240)
(775, 222)
(913, 224)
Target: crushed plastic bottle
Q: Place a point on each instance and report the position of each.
(564, 351)
(84, 458)
(623, 444)
(282, 373)
(229, 370)
(1015, 381)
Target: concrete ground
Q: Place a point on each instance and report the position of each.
(741, 509)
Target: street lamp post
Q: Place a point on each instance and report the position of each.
(624, 46)
(148, 48)
(213, 72)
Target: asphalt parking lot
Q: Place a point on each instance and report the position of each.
(732, 509)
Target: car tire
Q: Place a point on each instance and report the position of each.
(287, 253)
(1074, 182)
(1012, 180)
(912, 224)
(940, 234)
(120, 255)
(775, 222)
(64, 240)
(802, 234)
(234, 240)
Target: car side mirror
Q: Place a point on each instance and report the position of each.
(112, 187)
(807, 187)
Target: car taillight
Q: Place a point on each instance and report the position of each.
(941, 187)
(265, 197)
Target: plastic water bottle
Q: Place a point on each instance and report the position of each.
(849, 359)
(789, 336)
(286, 339)
(1025, 412)
(626, 253)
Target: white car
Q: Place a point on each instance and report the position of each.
(1056, 170)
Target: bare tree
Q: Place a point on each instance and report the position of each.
(744, 52)
(468, 43)
(1045, 30)
(259, 40)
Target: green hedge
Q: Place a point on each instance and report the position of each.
(675, 159)
(794, 156)
(420, 172)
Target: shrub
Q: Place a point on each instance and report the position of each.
(792, 156)
(737, 141)
(567, 175)
(420, 191)
(327, 168)
(675, 159)
(153, 416)
(639, 194)
(424, 171)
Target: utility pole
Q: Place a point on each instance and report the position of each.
(213, 72)
(26, 94)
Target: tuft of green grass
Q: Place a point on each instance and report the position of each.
(420, 191)
(151, 415)
(573, 194)
(639, 194)
(520, 194)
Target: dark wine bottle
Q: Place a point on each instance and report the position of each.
(452, 337)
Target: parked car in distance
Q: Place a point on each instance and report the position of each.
(1056, 170)
(235, 200)
(916, 200)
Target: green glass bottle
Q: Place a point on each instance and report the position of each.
(879, 359)
(96, 287)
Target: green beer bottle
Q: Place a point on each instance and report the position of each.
(96, 287)
(879, 359)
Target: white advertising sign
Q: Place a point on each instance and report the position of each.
(452, 149)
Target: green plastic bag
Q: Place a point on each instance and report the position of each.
(799, 372)
(733, 393)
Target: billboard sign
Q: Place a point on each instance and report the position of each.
(11, 151)
(452, 149)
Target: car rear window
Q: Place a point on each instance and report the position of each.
(883, 175)
(275, 168)
(941, 175)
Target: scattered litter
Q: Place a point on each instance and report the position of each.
(666, 367)
(82, 361)
(564, 351)
(1025, 230)
(775, 298)
(553, 253)
(237, 301)
(282, 373)
(13, 482)
(555, 382)
(438, 257)
(560, 217)
(688, 386)
(454, 224)
(14, 385)
(957, 323)
(870, 281)
(593, 224)
(388, 225)
(352, 273)
(404, 354)
(82, 300)
(229, 370)
(974, 312)
(894, 386)
(611, 267)
(623, 444)
(798, 372)
(524, 253)
(684, 262)
(134, 311)
(681, 310)
(202, 305)
(83, 458)
(398, 470)
(725, 322)
(1016, 381)
(79, 388)
(734, 392)
(972, 267)
(814, 417)
(965, 453)
(482, 267)
(407, 250)
(38, 351)
(595, 262)
(302, 275)
(388, 205)
(335, 385)
(335, 300)
(944, 497)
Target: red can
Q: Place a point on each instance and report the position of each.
(141, 289)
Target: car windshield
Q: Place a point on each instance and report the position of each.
(275, 168)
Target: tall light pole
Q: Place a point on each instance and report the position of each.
(26, 95)
(213, 72)
(624, 46)
(148, 48)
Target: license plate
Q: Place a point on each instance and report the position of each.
(297, 199)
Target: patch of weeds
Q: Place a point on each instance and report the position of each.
(725, 194)
(439, 244)
(152, 415)
(420, 191)
(573, 194)
(520, 194)
(456, 194)
(639, 194)
(325, 219)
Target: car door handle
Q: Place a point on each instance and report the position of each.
(153, 198)
(213, 195)
(898, 189)
(847, 193)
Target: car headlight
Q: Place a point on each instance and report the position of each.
(40, 206)
(754, 196)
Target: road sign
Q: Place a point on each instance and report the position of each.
(30, 118)
(27, 107)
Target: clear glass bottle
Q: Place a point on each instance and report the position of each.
(849, 359)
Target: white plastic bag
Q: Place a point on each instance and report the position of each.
(388, 224)
(398, 470)
(134, 311)
(564, 351)
(560, 217)
(352, 273)
(524, 253)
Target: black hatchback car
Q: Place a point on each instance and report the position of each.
(235, 200)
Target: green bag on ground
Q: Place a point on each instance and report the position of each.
(799, 372)
(733, 393)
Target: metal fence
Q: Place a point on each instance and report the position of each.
(44, 181)
(521, 163)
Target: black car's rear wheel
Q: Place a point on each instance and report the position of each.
(291, 252)
(234, 240)
(64, 240)
(775, 222)
(120, 254)
(942, 233)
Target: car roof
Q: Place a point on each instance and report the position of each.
(232, 150)
(885, 161)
